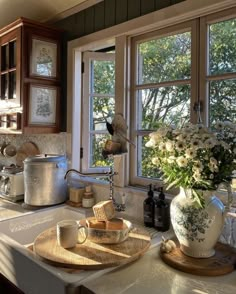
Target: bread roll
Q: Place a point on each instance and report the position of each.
(104, 210)
(115, 224)
(94, 224)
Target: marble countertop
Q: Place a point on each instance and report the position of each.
(11, 209)
(151, 275)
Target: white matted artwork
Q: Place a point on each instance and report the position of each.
(44, 58)
(42, 105)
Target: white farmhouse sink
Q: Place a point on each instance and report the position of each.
(20, 265)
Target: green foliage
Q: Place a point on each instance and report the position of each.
(168, 59)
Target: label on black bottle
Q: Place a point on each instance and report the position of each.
(158, 220)
(148, 214)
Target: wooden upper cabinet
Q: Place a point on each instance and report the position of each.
(30, 80)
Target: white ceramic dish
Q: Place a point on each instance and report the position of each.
(103, 236)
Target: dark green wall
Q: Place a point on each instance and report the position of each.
(100, 16)
(108, 13)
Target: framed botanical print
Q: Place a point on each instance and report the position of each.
(44, 58)
(42, 105)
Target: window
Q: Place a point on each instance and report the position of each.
(176, 71)
(219, 70)
(170, 73)
(98, 106)
(162, 86)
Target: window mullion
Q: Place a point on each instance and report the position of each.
(163, 84)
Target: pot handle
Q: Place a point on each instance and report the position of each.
(230, 195)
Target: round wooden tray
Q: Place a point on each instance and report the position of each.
(89, 255)
(25, 150)
(223, 262)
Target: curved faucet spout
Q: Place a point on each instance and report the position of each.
(100, 175)
(110, 174)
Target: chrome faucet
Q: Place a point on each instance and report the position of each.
(110, 174)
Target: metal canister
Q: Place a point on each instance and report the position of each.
(44, 179)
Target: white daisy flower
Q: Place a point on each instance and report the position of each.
(155, 161)
(198, 166)
(213, 167)
(180, 145)
(171, 159)
(219, 125)
(213, 161)
(190, 153)
(182, 161)
(196, 144)
(169, 146)
(197, 177)
(210, 143)
(162, 146)
(150, 143)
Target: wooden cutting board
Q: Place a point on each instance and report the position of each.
(223, 262)
(25, 150)
(89, 255)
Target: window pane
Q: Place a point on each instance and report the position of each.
(222, 47)
(103, 79)
(165, 59)
(170, 105)
(222, 100)
(145, 166)
(97, 142)
(102, 109)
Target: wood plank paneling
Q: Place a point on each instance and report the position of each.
(89, 20)
(99, 16)
(147, 6)
(80, 20)
(133, 9)
(121, 11)
(162, 3)
(110, 15)
(176, 1)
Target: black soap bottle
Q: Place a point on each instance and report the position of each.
(148, 208)
(161, 212)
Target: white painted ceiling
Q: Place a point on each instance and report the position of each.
(40, 10)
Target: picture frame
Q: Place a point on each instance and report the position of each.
(43, 102)
(44, 58)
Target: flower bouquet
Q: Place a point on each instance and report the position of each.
(195, 157)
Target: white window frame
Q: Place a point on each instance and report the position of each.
(172, 15)
(191, 27)
(204, 77)
(88, 57)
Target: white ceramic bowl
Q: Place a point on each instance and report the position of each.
(103, 236)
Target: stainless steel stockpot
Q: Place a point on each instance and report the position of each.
(44, 179)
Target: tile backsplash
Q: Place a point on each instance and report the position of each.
(47, 144)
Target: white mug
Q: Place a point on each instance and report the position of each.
(69, 233)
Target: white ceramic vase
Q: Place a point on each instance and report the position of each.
(197, 229)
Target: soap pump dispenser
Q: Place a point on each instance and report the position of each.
(161, 212)
(148, 208)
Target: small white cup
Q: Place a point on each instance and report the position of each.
(69, 233)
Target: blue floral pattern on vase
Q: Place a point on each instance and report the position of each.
(192, 221)
(197, 229)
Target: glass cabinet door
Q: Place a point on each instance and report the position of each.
(8, 70)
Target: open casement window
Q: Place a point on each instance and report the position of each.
(164, 89)
(218, 66)
(98, 106)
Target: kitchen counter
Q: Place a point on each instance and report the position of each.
(151, 275)
(148, 275)
(10, 209)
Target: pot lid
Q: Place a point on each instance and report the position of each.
(45, 158)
